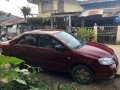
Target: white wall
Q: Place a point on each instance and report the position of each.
(72, 6)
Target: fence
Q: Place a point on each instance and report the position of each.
(107, 34)
(104, 34)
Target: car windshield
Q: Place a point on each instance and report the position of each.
(68, 39)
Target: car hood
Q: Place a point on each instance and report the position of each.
(95, 50)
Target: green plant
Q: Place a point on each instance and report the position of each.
(7, 67)
(14, 78)
(70, 86)
(86, 33)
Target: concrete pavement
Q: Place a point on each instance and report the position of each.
(116, 49)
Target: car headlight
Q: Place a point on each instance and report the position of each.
(106, 61)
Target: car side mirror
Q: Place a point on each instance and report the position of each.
(60, 48)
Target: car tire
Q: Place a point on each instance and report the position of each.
(82, 74)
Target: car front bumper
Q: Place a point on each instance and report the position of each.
(107, 72)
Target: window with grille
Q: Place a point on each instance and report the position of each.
(60, 5)
(47, 6)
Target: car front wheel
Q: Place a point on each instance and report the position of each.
(82, 74)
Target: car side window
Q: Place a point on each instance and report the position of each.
(47, 41)
(29, 40)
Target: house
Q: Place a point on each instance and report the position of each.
(47, 7)
(60, 11)
(11, 24)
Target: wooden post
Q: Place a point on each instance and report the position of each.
(95, 32)
(118, 35)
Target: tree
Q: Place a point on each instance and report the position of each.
(3, 13)
(26, 11)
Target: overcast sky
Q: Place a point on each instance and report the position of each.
(13, 7)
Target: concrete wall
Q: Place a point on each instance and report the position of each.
(55, 5)
(72, 6)
(39, 9)
(41, 14)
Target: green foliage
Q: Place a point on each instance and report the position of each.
(86, 33)
(71, 86)
(6, 71)
(3, 13)
(14, 78)
(7, 59)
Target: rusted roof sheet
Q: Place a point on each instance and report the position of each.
(111, 12)
(92, 12)
(1, 21)
(11, 21)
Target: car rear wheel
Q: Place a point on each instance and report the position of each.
(82, 74)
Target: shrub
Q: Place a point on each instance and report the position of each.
(86, 33)
(70, 86)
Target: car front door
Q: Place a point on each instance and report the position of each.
(48, 56)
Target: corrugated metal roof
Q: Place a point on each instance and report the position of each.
(92, 12)
(111, 12)
(101, 5)
(11, 21)
(108, 12)
(94, 1)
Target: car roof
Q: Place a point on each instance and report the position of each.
(44, 31)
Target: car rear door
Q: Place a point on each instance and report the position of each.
(25, 48)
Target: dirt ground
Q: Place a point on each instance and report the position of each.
(113, 84)
(58, 78)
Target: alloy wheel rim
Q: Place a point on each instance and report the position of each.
(82, 75)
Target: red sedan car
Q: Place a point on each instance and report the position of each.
(60, 51)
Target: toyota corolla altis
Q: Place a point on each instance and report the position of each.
(60, 51)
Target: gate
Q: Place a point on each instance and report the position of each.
(107, 34)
